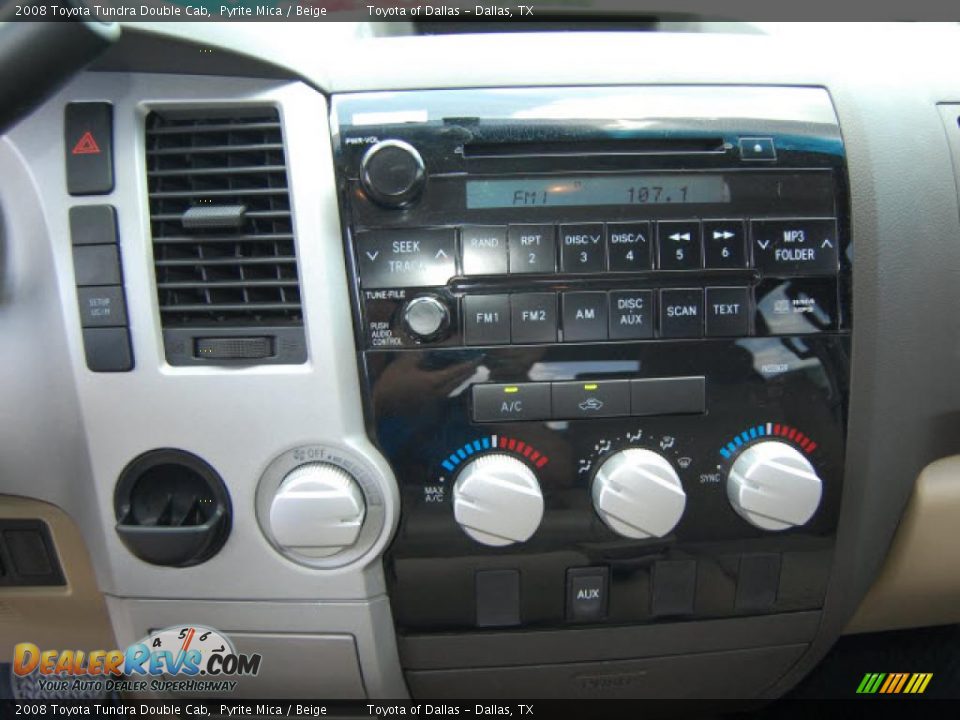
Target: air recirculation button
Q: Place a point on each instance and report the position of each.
(172, 509)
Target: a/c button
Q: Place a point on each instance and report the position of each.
(506, 403)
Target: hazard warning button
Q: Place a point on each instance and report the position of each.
(88, 141)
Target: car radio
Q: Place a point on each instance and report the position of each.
(603, 336)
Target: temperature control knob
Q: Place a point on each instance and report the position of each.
(637, 494)
(497, 500)
(773, 486)
(318, 510)
(392, 173)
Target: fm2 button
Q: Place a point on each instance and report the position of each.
(507, 403)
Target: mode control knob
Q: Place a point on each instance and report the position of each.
(318, 510)
(426, 317)
(637, 494)
(392, 173)
(497, 500)
(773, 486)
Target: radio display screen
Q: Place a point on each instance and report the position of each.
(587, 190)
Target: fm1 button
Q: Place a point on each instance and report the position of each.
(587, 594)
(728, 312)
(506, 403)
(486, 319)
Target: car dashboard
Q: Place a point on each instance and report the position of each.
(535, 364)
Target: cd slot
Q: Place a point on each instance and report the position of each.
(582, 148)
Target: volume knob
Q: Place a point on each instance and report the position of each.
(772, 486)
(637, 493)
(392, 173)
(497, 500)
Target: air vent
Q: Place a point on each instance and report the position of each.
(223, 242)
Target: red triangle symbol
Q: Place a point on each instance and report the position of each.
(86, 145)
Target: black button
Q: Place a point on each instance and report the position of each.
(28, 552)
(724, 244)
(674, 587)
(486, 319)
(107, 349)
(629, 246)
(96, 265)
(681, 313)
(484, 249)
(93, 225)
(796, 307)
(728, 312)
(582, 248)
(533, 317)
(678, 244)
(795, 247)
(584, 316)
(590, 399)
(757, 148)
(758, 581)
(102, 306)
(233, 348)
(407, 258)
(533, 249)
(88, 139)
(587, 594)
(631, 315)
(668, 396)
(506, 403)
(498, 598)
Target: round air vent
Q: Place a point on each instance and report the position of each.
(172, 508)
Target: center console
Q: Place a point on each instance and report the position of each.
(603, 337)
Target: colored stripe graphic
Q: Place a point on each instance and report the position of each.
(894, 683)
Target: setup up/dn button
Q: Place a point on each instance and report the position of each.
(506, 403)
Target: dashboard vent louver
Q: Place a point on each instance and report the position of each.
(223, 239)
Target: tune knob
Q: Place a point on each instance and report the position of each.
(497, 500)
(426, 317)
(392, 173)
(318, 510)
(637, 494)
(773, 486)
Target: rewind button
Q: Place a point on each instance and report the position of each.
(678, 244)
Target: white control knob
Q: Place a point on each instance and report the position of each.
(497, 500)
(773, 486)
(637, 494)
(318, 510)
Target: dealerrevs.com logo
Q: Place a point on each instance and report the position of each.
(184, 658)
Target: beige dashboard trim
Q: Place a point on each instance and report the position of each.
(920, 582)
(73, 616)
